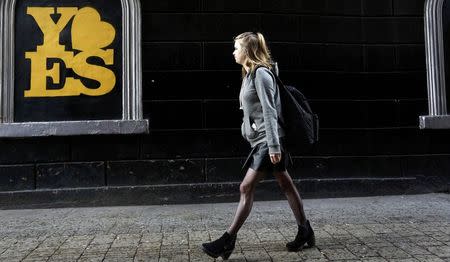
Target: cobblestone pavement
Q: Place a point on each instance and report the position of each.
(385, 228)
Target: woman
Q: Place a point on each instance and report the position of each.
(260, 101)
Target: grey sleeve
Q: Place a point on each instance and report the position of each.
(264, 84)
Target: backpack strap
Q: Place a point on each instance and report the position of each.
(274, 71)
(253, 74)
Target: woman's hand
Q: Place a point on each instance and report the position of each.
(275, 158)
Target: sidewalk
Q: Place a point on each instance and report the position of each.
(387, 228)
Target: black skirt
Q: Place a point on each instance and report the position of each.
(259, 159)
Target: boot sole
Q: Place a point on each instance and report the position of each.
(309, 244)
(224, 256)
(209, 253)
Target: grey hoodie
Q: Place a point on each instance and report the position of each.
(260, 102)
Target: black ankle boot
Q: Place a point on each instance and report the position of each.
(305, 234)
(222, 247)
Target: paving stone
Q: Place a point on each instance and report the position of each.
(122, 251)
(43, 251)
(35, 259)
(251, 246)
(328, 243)
(93, 255)
(445, 229)
(125, 240)
(387, 228)
(13, 253)
(147, 258)
(310, 254)
(373, 259)
(379, 228)
(347, 239)
(283, 256)
(403, 260)
(361, 250)
(199, 256)
(175, 239)
(72, 251)
(118, 259)
(428, 258)
(269, 235)
(98, 248)
(64, 257)
(338, 254)
(334, 230)
(319, 233)
(406, 230)
(77, 242)
(380, 245)
(100, 239)
(440, 236)
(425, 241)
(359, 230)
(152, 237)
(26, 244)
(412, 248)
(429, 227)
(181, 256)
(235, 256)
(441, 251)
(197, 237)
(53, 242)
(317, 260)
(91, 258)
(392, 253)
(274, 246)
(11, 259)
(256, 255)
(291, 233)
(150, 245)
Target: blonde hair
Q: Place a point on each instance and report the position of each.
(256, 51)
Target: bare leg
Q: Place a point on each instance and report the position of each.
(247, 189)
(289, 189)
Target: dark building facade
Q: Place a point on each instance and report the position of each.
(361, 63)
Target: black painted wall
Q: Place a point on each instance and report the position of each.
(360, 62)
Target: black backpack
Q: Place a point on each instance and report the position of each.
(300, 124)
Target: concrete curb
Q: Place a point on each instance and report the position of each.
(215, 192)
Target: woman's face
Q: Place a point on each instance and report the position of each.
(239, 54)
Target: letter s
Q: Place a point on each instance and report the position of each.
(105, 76)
